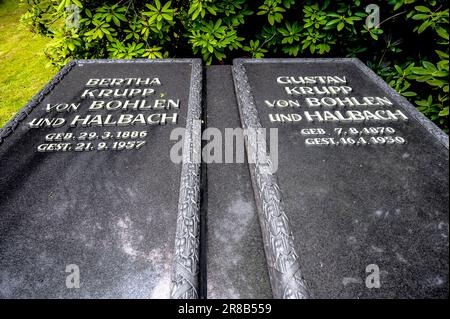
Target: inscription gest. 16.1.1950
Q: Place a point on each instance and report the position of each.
(333, 92)
(134, 97)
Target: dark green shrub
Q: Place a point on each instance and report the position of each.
(409, 48)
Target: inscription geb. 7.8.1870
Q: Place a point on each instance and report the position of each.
(104, 96)
(330, 99)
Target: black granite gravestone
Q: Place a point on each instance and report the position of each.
(91, 203)
(355, 204)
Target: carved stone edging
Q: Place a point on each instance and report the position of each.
(12, 124)
(286, 278)
(132, 61)
(185, 272)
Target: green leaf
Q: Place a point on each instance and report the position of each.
(211, 10)
(429, 66)
(420, 71)
(399, 69)
(157, 4)
(444, 112)
(167, 6)
(424, 26)
(422, 9)
(195, 14)
(78, 3)
(167, 17)
(419, 16)
(442, 55)
(442, 32)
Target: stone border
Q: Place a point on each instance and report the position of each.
(286, 278)
(186, 263)
(185, 267)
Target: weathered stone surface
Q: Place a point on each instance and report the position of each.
(236, 265)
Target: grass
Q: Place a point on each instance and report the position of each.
(22, 61)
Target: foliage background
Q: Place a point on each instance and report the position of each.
(409, 49)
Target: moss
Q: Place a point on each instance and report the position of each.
(23, 70)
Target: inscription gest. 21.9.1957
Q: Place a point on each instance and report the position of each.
(106, 95)
(322, 95)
